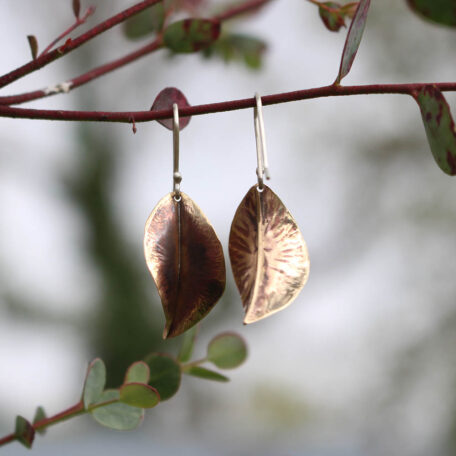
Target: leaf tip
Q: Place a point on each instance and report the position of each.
(76, 8)
(33, 43)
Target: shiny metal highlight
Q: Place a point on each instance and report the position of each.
(268, 254)
(260, 139)
(177, 176)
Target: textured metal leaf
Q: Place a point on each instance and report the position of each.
(268, 254)
(186, 261)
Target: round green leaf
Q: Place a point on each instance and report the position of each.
(191, 35)
(139, 395)
(94, 383)
(137, 373)
(119, 416)
(227, 351)
(165, 375)
(440, 11)
(147, 21)
(238, 47)
(207, 374)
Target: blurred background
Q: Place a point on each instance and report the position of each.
(362, 363)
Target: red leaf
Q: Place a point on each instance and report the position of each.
(165, 100)
(76, 8)
(33, 43)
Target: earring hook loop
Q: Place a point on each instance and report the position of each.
(177, 176)
(260, 137)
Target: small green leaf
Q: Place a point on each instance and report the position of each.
(334, 19)
(139, 395)
(439, 126)
(440, 11)
(137, 373)
(238, 47)
(165, 375)
(147, 21)
(40, 414)
(353, 40)
(33, 43)
(24, 432)
(121, 417)
(202, 372)
(191, 35)
(188, 342)
(94, 383)
(227, 350)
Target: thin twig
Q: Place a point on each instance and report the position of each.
(122, 61)
(85, 77)
(79, 21)
(242, 8)
(7, 439)
(146, 116)
(74, 44)
(74, 410)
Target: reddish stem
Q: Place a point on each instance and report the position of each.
(118, 63)
(145, 116)
(74, 410)
(74, 44)
(7, 439)
(79, 21)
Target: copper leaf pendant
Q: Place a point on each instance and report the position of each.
(186, 261)
(268, 254)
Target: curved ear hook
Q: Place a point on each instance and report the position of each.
(177, 176)
(260, 137)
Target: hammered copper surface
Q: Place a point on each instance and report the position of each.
(268, 254)
(186, 261)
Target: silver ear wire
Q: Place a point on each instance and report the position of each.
(260, 137)
(177, 176)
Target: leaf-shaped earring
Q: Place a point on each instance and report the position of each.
(183, 255)
(268, 254)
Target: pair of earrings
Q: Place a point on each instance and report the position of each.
(268, 254)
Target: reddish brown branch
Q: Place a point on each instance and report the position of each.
(145, 116)
(85, 77)
(118, 63)
(74, 44)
